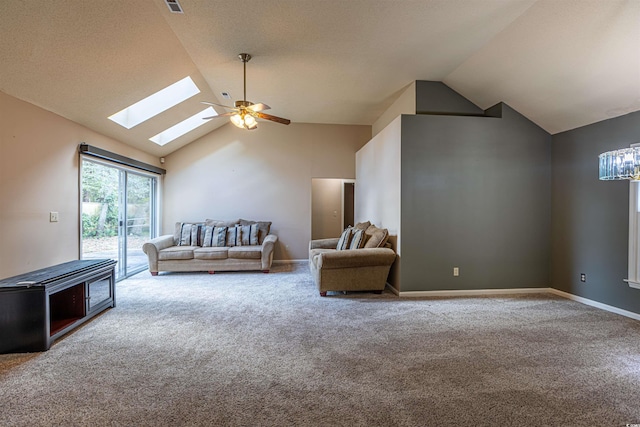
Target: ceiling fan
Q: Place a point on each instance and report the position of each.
(245, 113)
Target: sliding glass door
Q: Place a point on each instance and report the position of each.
(139, 219)
(119, 214)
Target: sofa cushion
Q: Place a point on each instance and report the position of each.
(176, 252)
(345, 239)
(214, 236)
(376, 237)
(358, 239)
(221, 223)
(211, 252)
(245, 252)
(264, 227)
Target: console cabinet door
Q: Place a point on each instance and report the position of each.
(99, 291)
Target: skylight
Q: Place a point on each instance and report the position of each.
(155, 104)
(183, 127)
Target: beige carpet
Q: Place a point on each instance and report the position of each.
(253, 349)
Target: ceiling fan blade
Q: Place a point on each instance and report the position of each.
(220, 115)
(217, 105)
(258, 107)
(272, 118)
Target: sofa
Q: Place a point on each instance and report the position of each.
(359, 260)
(213, 245)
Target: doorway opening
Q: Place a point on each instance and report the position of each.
(332, 206)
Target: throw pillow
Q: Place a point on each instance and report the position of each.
(249, 234)
(357, 240)
(214, 236)
(220, 223)
(197, 234)
(362, 225)
(191, 234)
(264, 227)
(377, 237)
(233, 234)
(345, 239)
(219, 237)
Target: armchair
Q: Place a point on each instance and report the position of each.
(364, 269)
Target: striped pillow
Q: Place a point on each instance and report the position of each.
(345, 239)
(233, 236)
(263, 228)
(357, 241)
(191, 234)
(249, 234)
(215, 236)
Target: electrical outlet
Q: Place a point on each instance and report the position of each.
(583, 277)
(53, 216)
(456, 271)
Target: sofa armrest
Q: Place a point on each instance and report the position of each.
(324, 243)
(350, 258)
(153, 246)
(268, 244)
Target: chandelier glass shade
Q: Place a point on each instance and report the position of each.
(244, 121)
(620, 164)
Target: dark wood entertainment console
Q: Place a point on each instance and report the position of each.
(37, 308)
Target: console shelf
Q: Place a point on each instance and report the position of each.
(38, 307)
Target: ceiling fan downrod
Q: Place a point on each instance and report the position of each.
(244, 57)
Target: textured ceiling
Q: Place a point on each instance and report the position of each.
(562, 63)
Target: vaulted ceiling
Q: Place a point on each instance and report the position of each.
(562, 63)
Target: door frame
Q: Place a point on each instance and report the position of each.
(348, 181)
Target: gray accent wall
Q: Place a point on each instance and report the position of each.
(438, 98)
(590, 218)
(475, 194)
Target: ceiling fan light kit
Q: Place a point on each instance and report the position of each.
(245, 113)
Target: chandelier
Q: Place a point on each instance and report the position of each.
(243, 118)
(620, 164)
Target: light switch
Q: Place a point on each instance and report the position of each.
(53, 216)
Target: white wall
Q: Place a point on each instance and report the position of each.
(378, 183)
(378, 186)
(38, 174)
(405, 104)
(261, 175)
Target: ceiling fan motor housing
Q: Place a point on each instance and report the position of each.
(243, 103)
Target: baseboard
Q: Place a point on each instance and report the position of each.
(463, 293)
(596, 304)
(289, 261)
(392, 289)
(471, 292)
